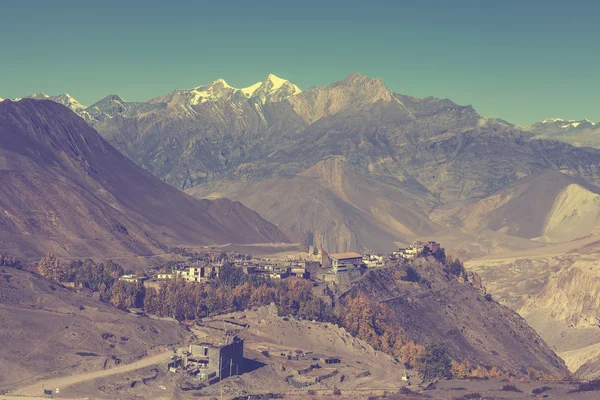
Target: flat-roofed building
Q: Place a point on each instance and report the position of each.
(342, 261)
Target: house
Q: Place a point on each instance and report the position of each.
(341, 262)
(215, 358)
(132, 278)
(373, 260)
(279, 274)
(164, 276)
(200, 273)
(299, 272)
(416, 249)
(433, 246)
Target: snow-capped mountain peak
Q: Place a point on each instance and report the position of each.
(272, 88)
(566, 123)
(68, 101)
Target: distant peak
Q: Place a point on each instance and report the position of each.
(275, 79)
(566, 123)
(220, 81)
(114, 97)
(551, 120)
(38, 95)
(271, 85)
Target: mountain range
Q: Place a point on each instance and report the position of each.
(353, 165)
(271, 141)
(66, 190)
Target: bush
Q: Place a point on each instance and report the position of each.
(435, 363)
(541, 390)
(511, 388)
(408, 392)
(311, 392)
(588, 386)
(337, 392)
(411, 275)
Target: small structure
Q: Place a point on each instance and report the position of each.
(132, 278)
(373, 260)
(200, 274)
(331, 360)
(299, 272)
(416, 249)
(215, 359)
(432, 247)
(341, 262)
(164, 276)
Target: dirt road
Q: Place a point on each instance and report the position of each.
(66, 381)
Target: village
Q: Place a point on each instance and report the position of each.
(316, 264)
(218, 352)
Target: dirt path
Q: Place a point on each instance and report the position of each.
(66, 381)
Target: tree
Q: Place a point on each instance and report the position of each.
(231, 275)
(49, 267)
(435, 363)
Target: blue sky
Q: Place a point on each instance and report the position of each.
(519, 60)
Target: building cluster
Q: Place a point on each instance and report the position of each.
(276, 269)
(417, 249)
(336, 268)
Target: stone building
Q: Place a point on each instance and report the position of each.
(341, 262)
(216, 359)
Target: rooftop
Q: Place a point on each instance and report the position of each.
(345, 256)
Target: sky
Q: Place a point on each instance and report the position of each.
(522, 61)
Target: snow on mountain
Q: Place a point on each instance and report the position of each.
(566, 123)
(272, 88)
(68, 101)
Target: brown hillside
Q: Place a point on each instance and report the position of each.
(442, 309)
(47, 330)
(65, 189)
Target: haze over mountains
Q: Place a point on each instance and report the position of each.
(353, 165)
(577, 133)
(66, 190)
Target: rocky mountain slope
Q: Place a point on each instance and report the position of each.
(455, 174)
(66, 190)
(437, 307)
(557, 295)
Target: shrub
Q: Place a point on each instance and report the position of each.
(411, 275)
(588, 386)
(337, 392)
(511, 388)
(541, 390)
(436, 363)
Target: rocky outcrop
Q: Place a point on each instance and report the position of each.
(441, 308)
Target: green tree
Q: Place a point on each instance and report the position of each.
(435, 363)
(231, 275)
